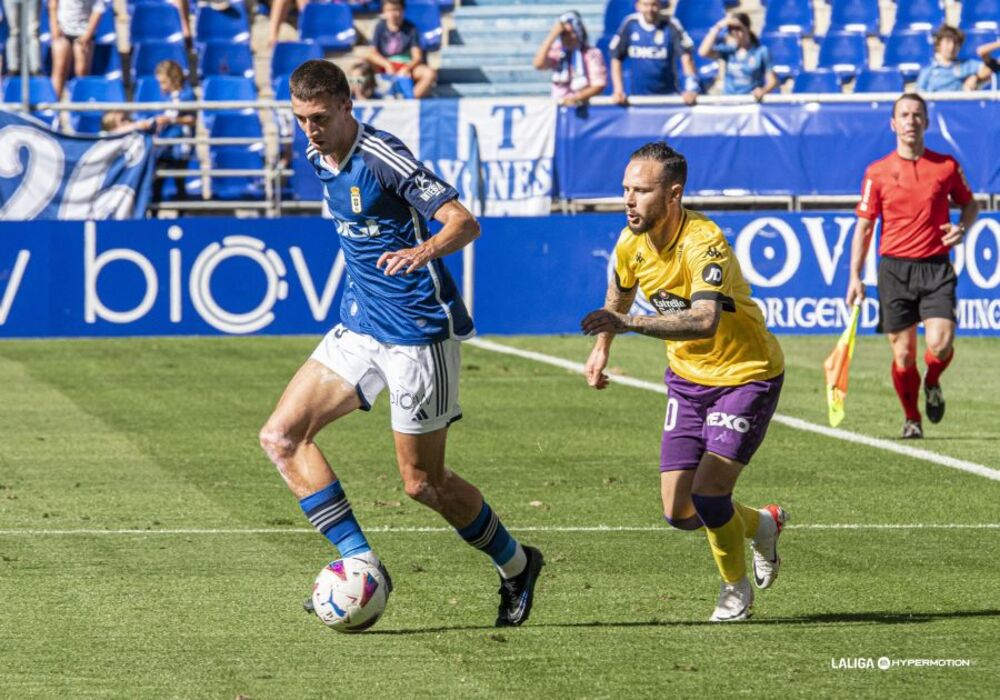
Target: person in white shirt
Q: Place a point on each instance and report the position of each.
(73, 25)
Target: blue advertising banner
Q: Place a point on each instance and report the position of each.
(785, 149)
(48, 175)
(532, 275)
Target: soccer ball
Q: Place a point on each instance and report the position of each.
(349, 595)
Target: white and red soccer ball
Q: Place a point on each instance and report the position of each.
(349, 595)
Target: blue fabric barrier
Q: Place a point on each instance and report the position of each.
(532, 275)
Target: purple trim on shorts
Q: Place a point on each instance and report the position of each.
(729, 421)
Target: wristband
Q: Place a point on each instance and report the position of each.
(690, 83)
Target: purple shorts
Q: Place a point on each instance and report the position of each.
(729, 421)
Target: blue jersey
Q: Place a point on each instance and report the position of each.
(941, 78)
(653, 51)
(746, 69)
(380, 199)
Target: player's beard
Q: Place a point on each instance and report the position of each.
(641, 226)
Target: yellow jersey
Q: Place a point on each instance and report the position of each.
(699, 264)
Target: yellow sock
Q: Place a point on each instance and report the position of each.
(750, 517)
(728, 548)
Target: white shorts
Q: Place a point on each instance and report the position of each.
(422, 379)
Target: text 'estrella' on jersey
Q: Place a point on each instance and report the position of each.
(381, 198)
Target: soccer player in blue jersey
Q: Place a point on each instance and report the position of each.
(401, 322)
(652, 44)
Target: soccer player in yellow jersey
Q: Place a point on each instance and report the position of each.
(725, 368)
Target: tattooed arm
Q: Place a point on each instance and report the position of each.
(617, 301)
(700, 321)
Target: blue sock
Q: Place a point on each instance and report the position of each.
(714, 511)
(488, 534)
(330, 513)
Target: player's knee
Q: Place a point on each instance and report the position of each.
(277, 444)
(421, 490)
(688, 523)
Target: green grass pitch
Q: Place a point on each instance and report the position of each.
(98, 438)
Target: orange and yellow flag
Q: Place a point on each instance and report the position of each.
(837, 366)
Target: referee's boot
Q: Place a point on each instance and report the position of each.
(934, 403)
(912, 430)
(518, 593)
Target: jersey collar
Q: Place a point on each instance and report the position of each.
(354, 146)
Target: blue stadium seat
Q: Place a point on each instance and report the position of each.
(786, 53)
(822, 80)
(789, 16)
(880, 80)
(93, 89)
(228, 125)
(615, 13)
(107, 62)
(250, 187)
(106, 32)
(855, 15)
(980, 14)
(229, 25)
(909, 50)
(699, 15)
(428, 21)
(225, 58)
(919, 14)
(155, 22)
(331, 26)
(39, 90)
(44, 32)
(146, 55)
(974, 38)
(846, 52)
(220, 88)
(289, 55)
(147, 89)
(281, 88)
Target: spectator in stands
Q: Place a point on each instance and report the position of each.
(12, 10)
(120, 122)
(652, 43)
(985, 52)
(185, 12)
(279, 12)
(361, 78)
(748, 62)
(946, 73)
(173, 124)
(578, 70)
(73, 24)
(396, 49)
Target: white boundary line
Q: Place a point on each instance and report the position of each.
(542, 528)
(797, 423)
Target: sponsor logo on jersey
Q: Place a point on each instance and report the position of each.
(728, 421)
(648, 52)
(356, 200)
(712, 273)
(429, 189)
(666, 303)
(370, 229)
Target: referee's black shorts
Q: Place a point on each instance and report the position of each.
(911, 290)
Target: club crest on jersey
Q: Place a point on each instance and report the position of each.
(666, 303)
(356, 200)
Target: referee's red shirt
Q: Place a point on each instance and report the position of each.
(912, 197)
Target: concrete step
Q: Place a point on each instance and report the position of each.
(468, 4)
(492, 89)
(527, 9)
(519, 73)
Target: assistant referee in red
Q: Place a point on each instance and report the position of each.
(910, 190)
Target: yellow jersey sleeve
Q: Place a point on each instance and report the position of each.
(709, 261)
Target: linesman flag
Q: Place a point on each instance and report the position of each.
(837, 366)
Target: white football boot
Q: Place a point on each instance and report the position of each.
(735, 602)
(765, 546)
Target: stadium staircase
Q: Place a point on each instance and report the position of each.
(491, 45)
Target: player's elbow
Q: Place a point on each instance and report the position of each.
(707, 325)
(470, 227)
